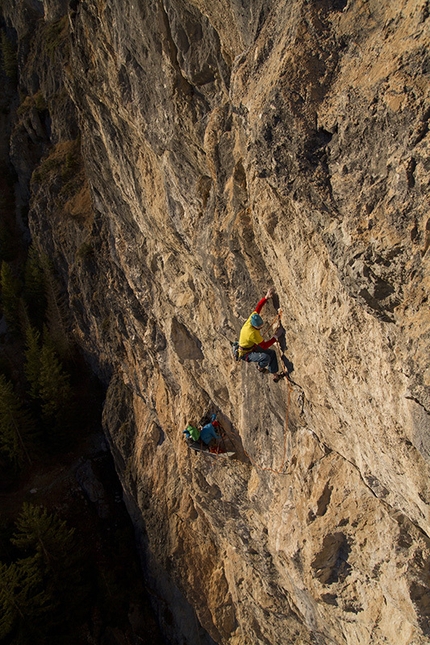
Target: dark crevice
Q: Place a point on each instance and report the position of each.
(413, 398)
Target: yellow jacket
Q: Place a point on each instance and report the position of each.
(249, 336)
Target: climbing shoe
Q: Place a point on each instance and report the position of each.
(263, 370)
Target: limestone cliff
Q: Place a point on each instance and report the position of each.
(188, 154)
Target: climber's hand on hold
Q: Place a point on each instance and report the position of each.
(270, 293)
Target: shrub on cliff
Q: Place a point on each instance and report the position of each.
(55, 36)
(32, 101)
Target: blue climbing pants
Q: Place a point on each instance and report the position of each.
(264, 358)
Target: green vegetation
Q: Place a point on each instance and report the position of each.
(50, 585)
(16, 426)
(58, 584)
(54, 388)
(45, 168)
(43, 586)
(32, 360)
(34, 292)
(52, 589)
(56, 313)
(85, 251)
(55, 36)
(44, 360)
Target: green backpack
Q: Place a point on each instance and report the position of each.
(192, 432)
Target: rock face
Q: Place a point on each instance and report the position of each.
(224, 147)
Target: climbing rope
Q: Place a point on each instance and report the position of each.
(268, 325)
(281, 470)
(290, 383)
(278, 471)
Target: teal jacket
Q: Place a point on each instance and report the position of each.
(207, 433)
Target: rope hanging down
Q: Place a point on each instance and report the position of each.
(281, 470)
(281, 356)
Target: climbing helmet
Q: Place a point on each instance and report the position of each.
(256, 321)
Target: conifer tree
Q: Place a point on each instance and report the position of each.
(32, 360)
(34, 287)
(44, 535)
(57, 312)
(37, 590)
(16, 425)
(24, 603)
(49, 385)
(42, 591)
(54, 386)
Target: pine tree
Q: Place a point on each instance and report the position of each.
(54, 386)
(32, 365)
(56, 312)
(50, 386)
(24, 602)
(16, 425)
(42, 591)
(34, 287)
(10, 606)
(44, 535)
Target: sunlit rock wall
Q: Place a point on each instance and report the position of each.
(227, 147)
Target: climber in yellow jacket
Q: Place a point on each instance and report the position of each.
(253, 348)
